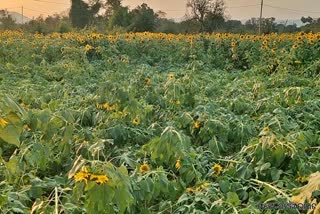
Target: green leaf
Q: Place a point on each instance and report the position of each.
(275, 174)
(3, 200)
(98, 199)
(11, 135)
(278, 155)
(233, 198)
(224, 185)
(123, 199)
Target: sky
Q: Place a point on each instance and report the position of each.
(236, 9)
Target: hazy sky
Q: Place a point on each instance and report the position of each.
(236, 9)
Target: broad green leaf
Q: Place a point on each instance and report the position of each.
(224, 185)
(233, 198)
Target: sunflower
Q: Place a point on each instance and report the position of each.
(144, 168)
(204, 185)
(266, 129)
(197, 125)
(136, 121)
(233, 44)
(3, 123)
(265, 43)
(171, 77)
(99, 179)
(147, 81)
(88, 47)
(294, 46)
(178, 164)
(301, 179)
(84, 175)
(190, 190)
(217, 168)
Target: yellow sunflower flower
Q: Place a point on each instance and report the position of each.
(265, 43)
(99, 179)
(84, 175)
(266, 129)
(204, 185)
(197, 125)
(3, 123)
(88, 47)
(171, 77)
(302, 179)
(190, 190)
(136, 121)
(147, 81)
(178, 164)
(217, 168)
(144, 168)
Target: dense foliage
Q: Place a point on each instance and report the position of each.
(158, 123)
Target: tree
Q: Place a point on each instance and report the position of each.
(209, 13)
(143, 19)
(120, 18)
(307, 20)
(81, 13)
(268, 25)
(233, 26)
(7, 23)
(111, 6)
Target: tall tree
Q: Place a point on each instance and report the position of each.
(111, 6)
(143, 19)
(119, 18)
(209, 13)
(81, 13)
(306, 19)
(8, 23)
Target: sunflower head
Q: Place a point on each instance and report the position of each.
(3, 123)
(171, 77)
(99, 179)
(266, 129)
(190, 190)
(144, 168)
(197, 124)
(294, 46)
(136, 121)
(265, 43)
(83, 175)
(217, 169)
(302, 179)
(88, 47)
(178, 164)
(147, 81)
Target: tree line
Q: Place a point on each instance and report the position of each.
(108, 16)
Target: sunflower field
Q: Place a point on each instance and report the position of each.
(159, 123)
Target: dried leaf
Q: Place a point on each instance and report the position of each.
(306, 191)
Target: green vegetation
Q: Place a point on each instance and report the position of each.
(158, 123)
